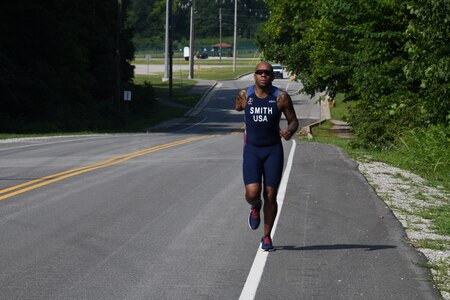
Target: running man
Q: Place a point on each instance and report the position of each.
(263, 150)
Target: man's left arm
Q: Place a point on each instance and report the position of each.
(288, 110)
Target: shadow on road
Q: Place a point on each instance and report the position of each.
(336, 247)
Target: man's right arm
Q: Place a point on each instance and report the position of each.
(241, 100)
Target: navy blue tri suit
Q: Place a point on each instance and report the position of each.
(263, 151)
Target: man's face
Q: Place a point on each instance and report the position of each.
(263, 74)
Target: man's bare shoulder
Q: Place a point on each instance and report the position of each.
(283, 97)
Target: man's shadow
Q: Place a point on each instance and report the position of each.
(335, 247)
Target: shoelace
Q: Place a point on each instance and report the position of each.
(266, 240)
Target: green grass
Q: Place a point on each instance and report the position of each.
(420, 196)
(440, 218)
(180, 87)
(223, 73)
(441, 277)
(180, 78)
(209, 61)
(340, 107)
(426, 150)
(440, 245)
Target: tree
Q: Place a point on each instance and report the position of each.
(148, 19)
(428, 47)
(358, 48)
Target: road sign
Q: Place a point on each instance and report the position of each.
(127, 95)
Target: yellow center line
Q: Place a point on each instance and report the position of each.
(36, 183)
(239, 131)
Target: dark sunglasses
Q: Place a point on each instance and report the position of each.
(266, 72)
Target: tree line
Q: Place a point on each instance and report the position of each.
(57, 60)
(390, 57)
(148, 20)
(63, 63)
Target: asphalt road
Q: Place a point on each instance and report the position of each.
(162, 216)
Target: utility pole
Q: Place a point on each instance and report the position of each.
(170, 50)
(191, 43)
(118, 52)
(235, 39)
(168, 46)
(220, 34)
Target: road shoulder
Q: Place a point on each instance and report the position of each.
(337, 239)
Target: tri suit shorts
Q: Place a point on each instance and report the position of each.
(263, 162)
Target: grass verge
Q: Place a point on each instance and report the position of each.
(221, 73)
(224, 62)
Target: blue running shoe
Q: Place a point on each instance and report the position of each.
(254, 217)
(266, 243)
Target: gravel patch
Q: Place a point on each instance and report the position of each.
(407, 195)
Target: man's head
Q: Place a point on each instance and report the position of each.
(263, 74)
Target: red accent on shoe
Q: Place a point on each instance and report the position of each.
(266, 243)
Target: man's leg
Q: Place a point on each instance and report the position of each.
(270, 208)
(252, 173)
(273, 169)
(253, 193)
(253, 197)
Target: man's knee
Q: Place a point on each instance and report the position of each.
(270, 193)
(253, 191)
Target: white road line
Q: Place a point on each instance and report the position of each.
(254, 277)
(187, 128)
(47, 143)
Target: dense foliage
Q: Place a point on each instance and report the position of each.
(390, 56)
(57, 61)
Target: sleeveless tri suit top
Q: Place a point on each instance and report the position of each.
(262, 118)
